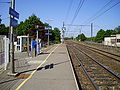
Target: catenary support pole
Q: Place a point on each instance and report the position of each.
(91, 31)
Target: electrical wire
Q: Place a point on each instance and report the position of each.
(101, 12)
(81, 2)
(104, 11)
(68, 11)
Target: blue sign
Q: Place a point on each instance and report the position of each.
(48, 27)
(48, 33)
(13, 13)
(13, 22)
(33, 43)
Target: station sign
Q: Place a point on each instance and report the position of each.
(48, 27)
(13, 22)
(13, 13)
(48, 33)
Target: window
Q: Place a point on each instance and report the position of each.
(18, 41)
(113, 41)
(118, 40)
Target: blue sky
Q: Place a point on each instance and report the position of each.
(58, 11)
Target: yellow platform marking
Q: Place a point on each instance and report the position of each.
(35, 70)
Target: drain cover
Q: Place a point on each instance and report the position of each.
(23, 76)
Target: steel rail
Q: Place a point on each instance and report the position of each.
(87, 74)
(92, 48)
(98, 49)
(100, 64)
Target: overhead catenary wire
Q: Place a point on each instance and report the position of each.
(68, 11)
(108, 3)
(104, 11)
(101, 11)
(108, 6)
(81, 2)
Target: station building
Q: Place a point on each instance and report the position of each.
(114, 40)
(21, 43)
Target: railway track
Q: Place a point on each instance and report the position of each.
(111, 61)
(102, 52)
(91, 73)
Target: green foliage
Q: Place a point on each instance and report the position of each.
(55, 35)
(117, 29)
(46, 24)
(100, 36)
(108, 33)
(24, 27)
(81, 37)
(4, 30)
(91, 38)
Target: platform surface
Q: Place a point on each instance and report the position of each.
(51, 70)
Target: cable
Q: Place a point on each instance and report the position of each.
(104, 11)
(101, 12)
(77, 10)
(68, 11)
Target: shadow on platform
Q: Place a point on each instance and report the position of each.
(48, 66)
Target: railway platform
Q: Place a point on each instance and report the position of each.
(52, 70)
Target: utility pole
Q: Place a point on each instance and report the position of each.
(91, 31)
(37, 26)
(48, 37)
(63, 32)
(80, 33)
(12, 71)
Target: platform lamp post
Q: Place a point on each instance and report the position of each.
(37, 26)
(63, 32)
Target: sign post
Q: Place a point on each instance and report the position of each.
(13, 22)
(48, 28)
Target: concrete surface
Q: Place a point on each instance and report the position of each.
(47, 77)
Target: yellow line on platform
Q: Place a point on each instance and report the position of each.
(35, 70)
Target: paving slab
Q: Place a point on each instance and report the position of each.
(50, 71)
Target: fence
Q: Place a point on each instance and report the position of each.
(4, 52)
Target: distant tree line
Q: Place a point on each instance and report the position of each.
(28, 27)
(100, 35)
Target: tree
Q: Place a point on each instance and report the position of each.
(108, 33)
(81, 37)
(24, 27)
(4, 30)
(117, 29)
(100, 36)
(55, 35)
